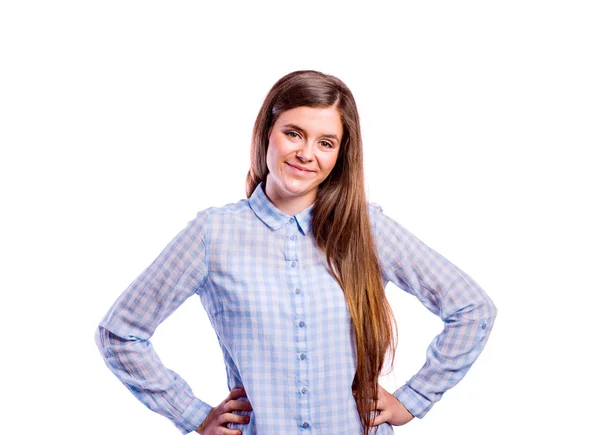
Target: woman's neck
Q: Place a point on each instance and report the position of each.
(289, 204)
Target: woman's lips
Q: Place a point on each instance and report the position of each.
(299, 168)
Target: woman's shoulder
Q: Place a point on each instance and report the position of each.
(374, 208)
(375, 212)
(383, 224)
(224, 212)
(237, 207)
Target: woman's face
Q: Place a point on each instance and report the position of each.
(304, 144)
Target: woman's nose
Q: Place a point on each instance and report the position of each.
(305, 152)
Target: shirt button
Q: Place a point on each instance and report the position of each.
(304, 390)
(294, 264)
(305, 425)
(291, 221)
(483, 326)
(297, 291)
(302, 356)
(301, 324)
(294, 237)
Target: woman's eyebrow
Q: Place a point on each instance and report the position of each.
(295, 127)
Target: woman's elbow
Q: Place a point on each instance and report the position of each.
(101, 339)
(489, 309)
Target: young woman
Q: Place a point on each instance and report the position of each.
(293, 280)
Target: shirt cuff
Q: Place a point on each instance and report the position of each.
(417, 404)
(193, 416)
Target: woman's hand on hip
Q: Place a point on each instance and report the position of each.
(217, 419)
(390, 409)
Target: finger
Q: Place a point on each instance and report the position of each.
(225, 431)
(381, 418)
(236, 393)
(229, 417)
(233, 418)
(237, 405)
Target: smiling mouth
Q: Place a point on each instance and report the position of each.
(299, 168)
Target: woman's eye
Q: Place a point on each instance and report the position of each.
(327, 144)
(292, 134)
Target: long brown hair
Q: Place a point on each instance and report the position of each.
(340, 225)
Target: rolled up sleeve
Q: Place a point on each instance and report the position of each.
(123, 336)
(466, 310)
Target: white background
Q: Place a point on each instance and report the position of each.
(120, 120)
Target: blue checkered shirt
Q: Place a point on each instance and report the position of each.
(282, 320)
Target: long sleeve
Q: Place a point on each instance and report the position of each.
(467, 312)
(124, 333)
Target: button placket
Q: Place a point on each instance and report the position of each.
(293, 270)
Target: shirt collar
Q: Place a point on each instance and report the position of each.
(274, 218)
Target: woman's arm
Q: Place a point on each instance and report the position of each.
(467, 312)
(123, 336)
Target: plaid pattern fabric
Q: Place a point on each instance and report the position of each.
(282, 320)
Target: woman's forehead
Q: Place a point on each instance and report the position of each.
(325, 119)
